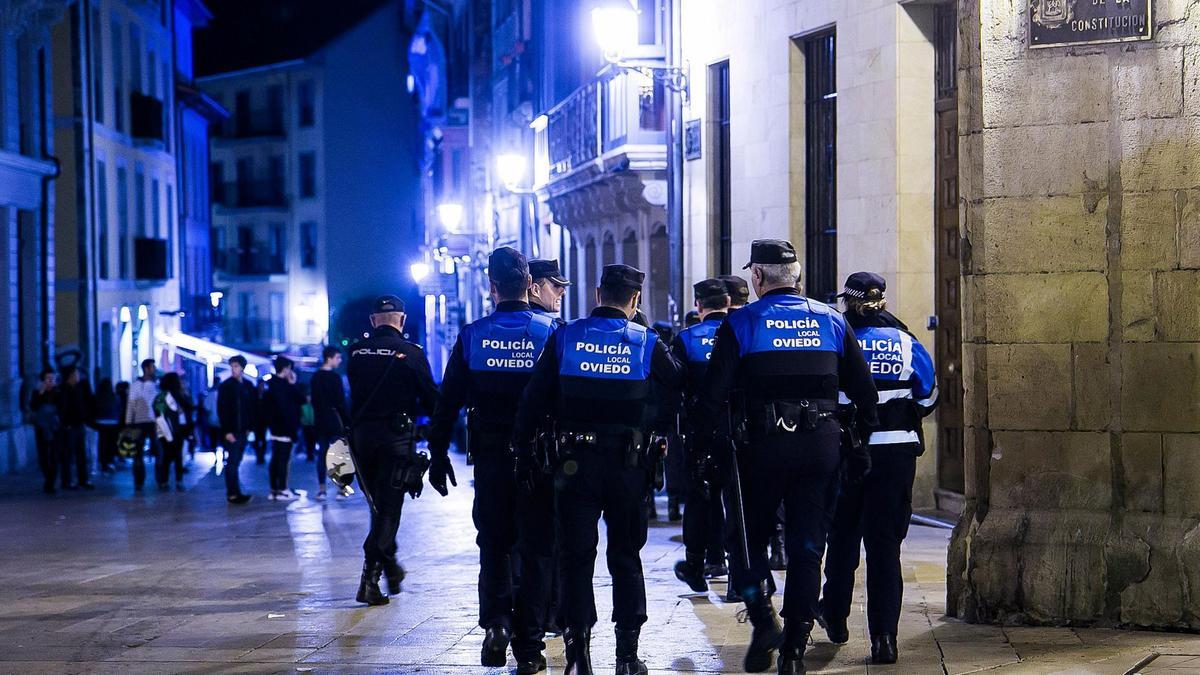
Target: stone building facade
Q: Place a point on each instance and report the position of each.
(1081, 240)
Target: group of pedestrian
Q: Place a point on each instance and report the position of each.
(796, 428)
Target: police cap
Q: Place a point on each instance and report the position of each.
(709, 288)
(387, 303)
(507, 264)
(622, 276)
(547, 269)
(863, 286)
(771, 252)
(739, 290)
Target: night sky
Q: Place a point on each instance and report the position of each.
(245, 33)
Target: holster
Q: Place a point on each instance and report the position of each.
(410, 475)
(656, 452)
(786, 417)
(852, 439)
(546, 447)
(630, 441)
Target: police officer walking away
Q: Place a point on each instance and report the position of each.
(488, 369)
(784, 357)
(876, 511)
(549, 286)
(704, 517)
(389, 376)
(593, 379)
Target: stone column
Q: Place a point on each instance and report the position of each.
(1081, 304)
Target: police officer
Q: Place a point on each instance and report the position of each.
(704, 517)
(876, 511)
(593, 379)
(389, 377)
(739, 291)
(785, 357)
(488, 369)
(549, 286)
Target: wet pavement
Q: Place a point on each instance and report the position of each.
(165, 582)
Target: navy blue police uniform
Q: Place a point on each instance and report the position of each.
(547, 269)
(704, 517)
(390, 386)
(594, 378)
(875, 512)
(490, 365)
(784, 358)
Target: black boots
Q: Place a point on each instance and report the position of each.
(795, 640)
(778, 559)
(764, 638)
(883, 649)
(691, 572)
(495, 647)
(673, 513)
(394, 572)
(628, 662)
(836, 629)
(368, 585)
(579, 651)
(530, 664)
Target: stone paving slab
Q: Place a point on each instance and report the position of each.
(113, 582)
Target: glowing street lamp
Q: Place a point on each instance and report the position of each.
(616, 29)
(510, 168)
(419, 271)
(450, 215)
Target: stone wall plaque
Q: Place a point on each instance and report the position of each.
(1054, 23)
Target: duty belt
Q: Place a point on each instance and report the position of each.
(789, 416)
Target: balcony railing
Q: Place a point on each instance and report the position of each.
(258, 123)
(249, 194)
(616, 109)
(146, 116)
(252, 261)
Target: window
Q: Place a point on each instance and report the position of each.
(97, 66)
(276, 309)
(608, 254)
(306, 103)
(308, 174)
(278, 248)
(102, 218)
(820, 204)
(722, 176)
(123, 222)
(241, 112)
(648, 13)
(308, 245)
(139, 185)
(217, 244)
(275, 109)
(216, 176)
(118, 78)
(629, 249)
(275, 176)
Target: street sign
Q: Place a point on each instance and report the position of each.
(691, 139)
(439, 284)
(1055, 23)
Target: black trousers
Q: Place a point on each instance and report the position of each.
(73, 450)
(799, 470)
(675, 470)
(149, 435)
(597, 482)
(170, 452)
(47, 443)
(281, 462)
(704, 518)
(381, 455)
(233, 462)
(875, 514)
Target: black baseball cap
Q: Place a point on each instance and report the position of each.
(739, 290)
(547, 269)
(387, 303)
(709, 288)
(615, 276)
(507, 264)
(863, 285)
(771, 252)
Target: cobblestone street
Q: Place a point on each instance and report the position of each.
(110, 582)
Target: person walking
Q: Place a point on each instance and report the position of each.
(107, 423)
(329, 410)
(172, 410)
(44, 404)
(237, 403)
(139, 414)
(77, 413)
(281, 404)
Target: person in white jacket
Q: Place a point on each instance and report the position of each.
(139, 414)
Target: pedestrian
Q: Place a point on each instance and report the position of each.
(172, 409)
(784, 358)
(329, 410)
(107, 423)
(77, 412)
(875, 512)
(390, 384)
(139, 414)
(237, 404)
(281, 405)
(549, 286)
(593, 379)
(704, 517)
(489, 367)
(44, 409)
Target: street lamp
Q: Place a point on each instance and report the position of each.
(616, 29)
(419, 270)
(510, 168)
(450, 215)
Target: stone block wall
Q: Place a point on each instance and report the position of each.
(1081, 301)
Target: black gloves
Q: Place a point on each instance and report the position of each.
(525, 468)
(858, 465)
(439, 470)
